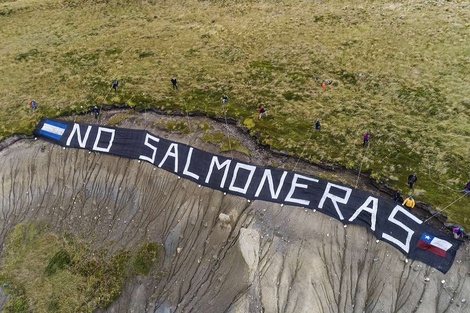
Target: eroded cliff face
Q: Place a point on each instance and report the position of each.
(222, 253)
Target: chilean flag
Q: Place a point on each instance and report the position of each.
(433, 244)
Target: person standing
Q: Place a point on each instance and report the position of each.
(397, 196)
(412, 179)
(366, 139)
(261, 112)
(466, 189)
(115, 84)
(33, 104)
(458, 232)
(409, 202)
(96, 111)
(317, 124)
(174, 83)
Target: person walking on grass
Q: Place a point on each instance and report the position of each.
(412, 179)
(466, 189)
(409, 202)
(174, 83)
(224, 99)
(115, 84)
(366, 138)
(33, 104)
(317, 124)
(261, 112)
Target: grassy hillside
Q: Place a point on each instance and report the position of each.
(397, 69)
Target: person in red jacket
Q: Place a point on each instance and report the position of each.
(33, 104)
(261, 112)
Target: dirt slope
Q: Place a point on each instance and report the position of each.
(222, 253)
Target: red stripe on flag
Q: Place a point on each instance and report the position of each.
(429, 247)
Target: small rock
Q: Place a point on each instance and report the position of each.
(377, 241)
(345, 226)
(463, 300)
(426, 279)
(443, 281)
(178, 250)
(224, 218)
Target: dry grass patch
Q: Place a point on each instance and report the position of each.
(399, 70)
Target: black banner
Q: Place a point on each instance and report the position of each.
(388, 221)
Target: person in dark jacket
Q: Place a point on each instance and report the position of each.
(115, 84)
(397, 196)
(317, 124)
(412, 179)
(96, 111)
(174, 83)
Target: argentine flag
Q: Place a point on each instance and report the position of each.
(52, 129)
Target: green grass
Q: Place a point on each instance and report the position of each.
(76, 277)
(145, 258)
(178, 126)
(398, 69)
(224, 142)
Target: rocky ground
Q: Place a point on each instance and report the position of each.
(222, 253)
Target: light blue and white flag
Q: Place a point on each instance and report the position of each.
(53, 129)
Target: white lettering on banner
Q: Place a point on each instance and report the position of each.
(372, 211)
(186, 166)
(406, 245)
(247, 167)
(226, 164)
(98, 137)
(173, 152)
(295, 185)
(148, 144)
(267, 175)
(334, 198)
(81, 141)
